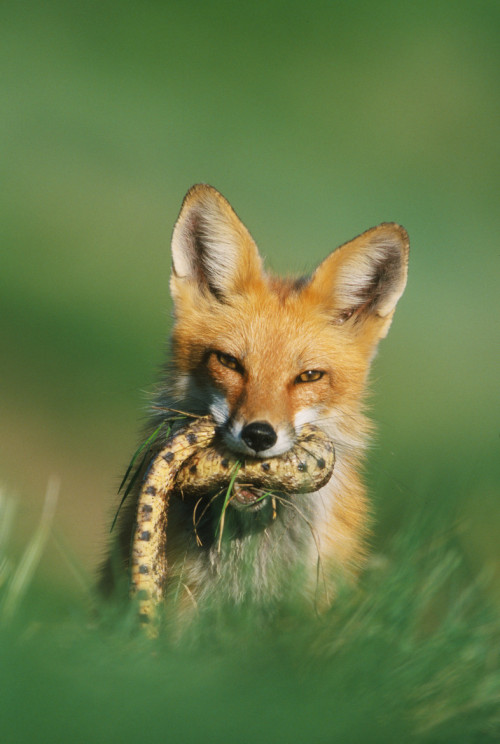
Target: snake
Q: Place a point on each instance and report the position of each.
(194, 462)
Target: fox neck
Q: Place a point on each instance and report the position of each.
(265, 559)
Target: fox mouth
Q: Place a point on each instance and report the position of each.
(248, 497)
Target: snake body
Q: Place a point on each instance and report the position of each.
(194, 463)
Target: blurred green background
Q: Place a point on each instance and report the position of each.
(316, 120)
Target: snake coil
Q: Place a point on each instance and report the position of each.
(194, 463)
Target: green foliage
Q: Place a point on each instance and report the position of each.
(410, 654)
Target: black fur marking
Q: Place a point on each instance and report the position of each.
(192, 438)
(193, 469)
(224, 463)
(386, 274)
(168, 456)
(302, 466)
(143, 569)
(300, 283)
(265, 466)
(321, 463)
(146, 536)
(151, 490)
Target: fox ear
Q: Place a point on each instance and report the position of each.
(212, 249)
(365, 277)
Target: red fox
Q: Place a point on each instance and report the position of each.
(263, 356)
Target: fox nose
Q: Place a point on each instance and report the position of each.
(259, 435)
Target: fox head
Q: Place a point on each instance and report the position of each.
(265, 355)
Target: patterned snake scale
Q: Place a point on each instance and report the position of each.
(193, 463)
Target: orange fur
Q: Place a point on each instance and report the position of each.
(241, 341)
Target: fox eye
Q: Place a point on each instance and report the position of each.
(310, 375)
(229, 361)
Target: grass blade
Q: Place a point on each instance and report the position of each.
(220, 526)
(31, 557)
(146, 444)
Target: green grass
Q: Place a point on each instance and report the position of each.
(411, 654)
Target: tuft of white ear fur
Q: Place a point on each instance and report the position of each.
(367, 276)
(210, 245)
(374, 269)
